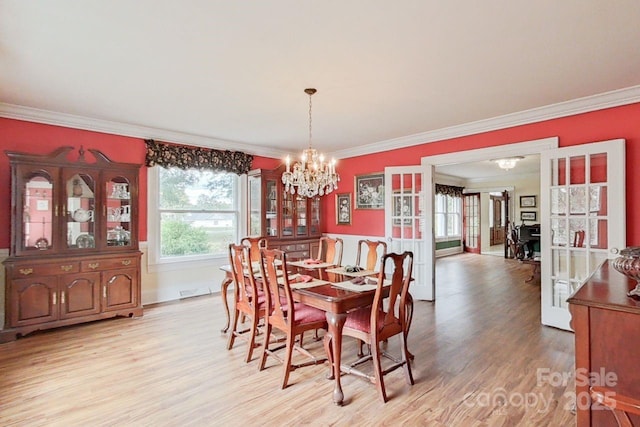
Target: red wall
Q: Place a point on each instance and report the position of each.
(613, 123)
(28, 137)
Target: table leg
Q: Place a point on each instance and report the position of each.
(336, 322)
(223, 292)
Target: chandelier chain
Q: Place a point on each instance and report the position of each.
(310, 118)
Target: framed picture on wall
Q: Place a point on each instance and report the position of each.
(528, 216)
(343, 209)
(527, 201)
(369, 191)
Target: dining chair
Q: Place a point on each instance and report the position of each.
(620, 405)
(376, 249)
(255, 243)
(249, 301)
(385, 318)
(329, 251)
(291, 318)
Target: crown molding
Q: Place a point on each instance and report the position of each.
(587, 104)
(18, 112)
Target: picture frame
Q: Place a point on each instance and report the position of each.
(528, 215)
(527, 201)
(343, 209)
(369, 191)
(402, 206)
(42, 205)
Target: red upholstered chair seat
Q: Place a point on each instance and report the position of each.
(306, 314)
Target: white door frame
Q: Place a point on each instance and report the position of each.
(429, 163)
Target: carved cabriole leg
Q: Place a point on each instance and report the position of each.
(336, 322)
(223, 293)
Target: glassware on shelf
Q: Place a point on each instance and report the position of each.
(119, 191)
(118, 236)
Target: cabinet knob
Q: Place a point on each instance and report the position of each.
(66, 267)
(94, 265)
(26, 271)
(126, 261)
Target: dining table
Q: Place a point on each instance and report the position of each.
(336, 299)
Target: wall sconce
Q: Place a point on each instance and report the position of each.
(508, 162)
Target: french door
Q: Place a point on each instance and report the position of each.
(583, 219)
(405, 214)
(471, 222)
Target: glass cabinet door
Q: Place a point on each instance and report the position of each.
(80, 196)
(314, 216)
(271, 215)
(118, 212)
(37, 211)
(255, 206)
(301, 216)
(287, 214)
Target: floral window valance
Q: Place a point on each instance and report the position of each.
(185, 157)
(449, 190)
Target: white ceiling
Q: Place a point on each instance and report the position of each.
(231, 74)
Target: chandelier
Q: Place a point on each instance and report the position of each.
(508, 162)
(312, 175)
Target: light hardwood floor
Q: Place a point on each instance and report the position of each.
(478, 351)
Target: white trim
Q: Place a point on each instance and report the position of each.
(449, 251)
(519, 148)
(19, 112)
(488, 189)
(586, 104)
(154, 264)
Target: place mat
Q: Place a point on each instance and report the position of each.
(367, 285)
(311, 284)
(305, 265)
(341, 270)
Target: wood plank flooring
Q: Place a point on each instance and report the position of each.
(477, 351)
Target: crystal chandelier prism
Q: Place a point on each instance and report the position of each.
(508, 162)
(312, 176)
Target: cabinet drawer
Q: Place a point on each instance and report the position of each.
(108, 264)
(289, 247)
(30, 270)
(302, 247)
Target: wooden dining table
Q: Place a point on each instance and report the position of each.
(336, 302)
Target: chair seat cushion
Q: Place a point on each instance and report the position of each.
(308, 314)
(360, 319)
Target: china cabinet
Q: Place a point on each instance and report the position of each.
(74, 249)
(289, 222)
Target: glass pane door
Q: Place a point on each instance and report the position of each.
(81, 204)
(583, 207)
(37, 214)
(404, 227)
(118, 212)
(472, 223)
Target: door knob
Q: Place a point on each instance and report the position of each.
(614, 250)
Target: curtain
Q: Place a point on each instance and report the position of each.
(186, 157)
(449, 190)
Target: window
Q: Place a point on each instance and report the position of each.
(448, 217)
(193, 214)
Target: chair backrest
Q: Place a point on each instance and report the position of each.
(399, 268)
(375, 249)
(621, 405)
(273, 266)
(255, 244)
(246, 289)
(330, 250)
